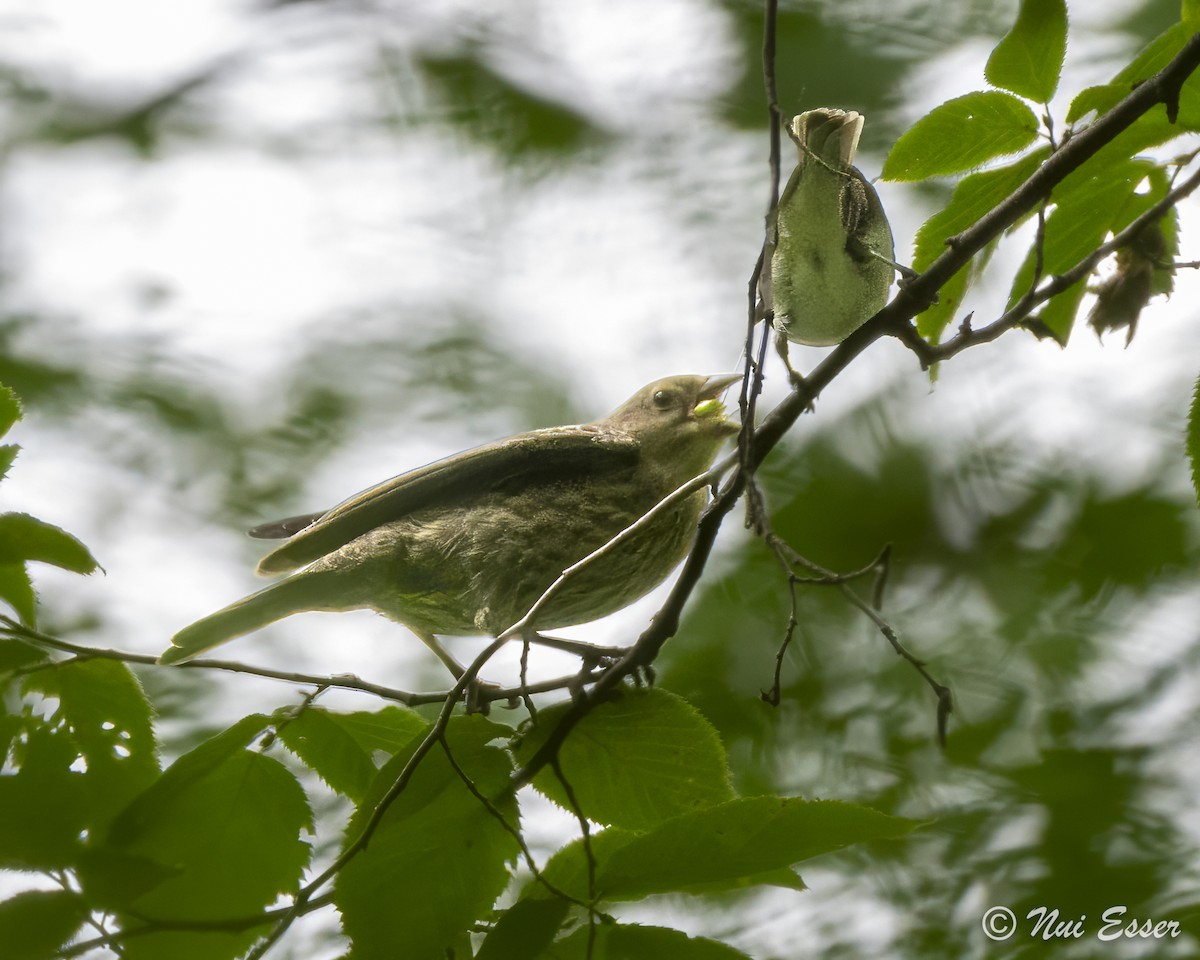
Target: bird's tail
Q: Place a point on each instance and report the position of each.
(830, 135)
(312, 591)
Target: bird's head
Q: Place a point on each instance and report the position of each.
(680, 421)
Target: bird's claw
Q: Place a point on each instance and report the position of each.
(479, 695)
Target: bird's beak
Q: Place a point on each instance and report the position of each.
(718, 383)
(708, 406)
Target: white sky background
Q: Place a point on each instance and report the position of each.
(252, 242)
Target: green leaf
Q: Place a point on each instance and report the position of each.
(389, 729)
(23, 537)
(16, 589)
(1149, 61)
(1082, 218)
(8, 453)
(631, 942)
(15, 654)
(738, 843)
(102, 704)
(44, 805)
(227, 822)
(1157, 185)
(113, 878)
(319, 739)
(1101, 98)
(1028, 61)
(435, 828)
(1058, 315)
(974, 196)
(961, 134)
(525, 930)
(1193, 440)
(1155, 55)
(10, 409)
(634, 761)
(34, 925)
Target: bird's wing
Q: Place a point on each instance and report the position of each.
(537, 457)
(288, 527)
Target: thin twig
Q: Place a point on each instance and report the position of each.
(929, 353)
(585, 835)
(341, 681)
(826, 577)
(515, 832)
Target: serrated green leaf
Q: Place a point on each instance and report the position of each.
(389, 729)
(102, 704)
(962, 134)
(749, 840)
(228, 820)
(1164, 280)
(1100, 98)
(634, 761)
(632, 942)
(1155, 55)
(35, 924)
(1149, 61)
(320, 740)
(44, 805)
(16, 589)
(1193, 439)
(1028, 61)
(10, 409)
(435, 828)
(23, 538)
(525, 930)
(974, 196)
(8, 453)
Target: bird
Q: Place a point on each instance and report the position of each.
(830, 246)
(466, 545)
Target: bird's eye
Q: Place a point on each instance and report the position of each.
(663, 399)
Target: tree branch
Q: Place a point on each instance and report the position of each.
(913, 297)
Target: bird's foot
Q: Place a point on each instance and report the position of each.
(480, 695)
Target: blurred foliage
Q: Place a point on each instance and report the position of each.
(1031, 591)
(1055, 606)
(455, 371)
(499, 112)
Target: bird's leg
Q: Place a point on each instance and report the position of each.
(474, 699)
(455, 668)
(781, 347)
